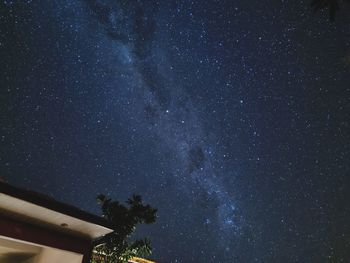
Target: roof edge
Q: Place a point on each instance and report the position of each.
(52, 204)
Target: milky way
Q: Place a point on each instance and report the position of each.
(170, 113)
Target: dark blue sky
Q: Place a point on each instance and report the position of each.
(230, 117)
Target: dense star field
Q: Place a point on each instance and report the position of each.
(230, 117)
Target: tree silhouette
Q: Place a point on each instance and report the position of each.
(116, 247)
(332, 5)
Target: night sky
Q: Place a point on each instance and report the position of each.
(230, 117)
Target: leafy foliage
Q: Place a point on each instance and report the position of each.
(116, 246)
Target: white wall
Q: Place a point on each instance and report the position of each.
(16, 251)
(58, 256)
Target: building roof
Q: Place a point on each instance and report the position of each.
(39, 209)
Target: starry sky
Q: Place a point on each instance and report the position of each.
(230, 117)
